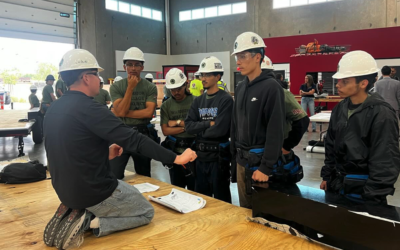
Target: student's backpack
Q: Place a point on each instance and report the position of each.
(18, 173)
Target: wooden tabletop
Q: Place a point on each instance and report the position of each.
(25, 210)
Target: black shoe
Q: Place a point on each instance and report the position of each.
(52, 227)
(314, 130)
(70, 232)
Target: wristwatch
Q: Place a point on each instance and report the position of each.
(178, 122)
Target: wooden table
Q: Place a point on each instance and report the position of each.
(326, 100)
(25, 210)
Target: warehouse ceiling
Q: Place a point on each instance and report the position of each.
(44, 20)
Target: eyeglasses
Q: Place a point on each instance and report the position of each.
(178, 89)
(207, 75)
(244, 56)
(91, 73)
(136, 65)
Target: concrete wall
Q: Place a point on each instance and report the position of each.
(190, 36)
(103, 31)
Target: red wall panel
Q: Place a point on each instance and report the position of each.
(380, 43)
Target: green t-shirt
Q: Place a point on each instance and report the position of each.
(144, 92)
(353, 108)
(60, 85)
(294, 112)
(33, 100)
(195, 87)
(46, 97)
(174, 110)
(103, 97)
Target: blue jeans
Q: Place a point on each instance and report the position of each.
(309, 102)
(126, 208)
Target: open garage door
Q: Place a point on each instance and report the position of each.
(43, 20)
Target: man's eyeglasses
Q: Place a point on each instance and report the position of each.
(206, 75)
(91, 73)
(244, 56)
(136, 65)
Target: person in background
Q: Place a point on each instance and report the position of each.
(103, 97)
(47, 94)
(117, 78)
(196, 86)
(389, 89)
(393, 74)
(61, 88)
(149, 77)
(281, 81)
(307, 91)
(173, 113)
(33, 100)
(362, 157)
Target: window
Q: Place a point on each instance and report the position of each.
(211, 12)
(112, 5)
(124, 7)
(157, 15)
(146, 12)
(214, 11)
(238, 8)
(198, 14)
(136, 10)
(185, 15)
(291, 3)
(224, 10)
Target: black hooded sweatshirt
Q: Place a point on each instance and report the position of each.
(366, 143)
(258, 119)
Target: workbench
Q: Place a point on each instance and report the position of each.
(11, 127)
(26, 208)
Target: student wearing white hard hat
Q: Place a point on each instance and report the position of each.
(210, 118)
(134, 102)
(33, 99)
(78, 134)
(296, 122)
(362, 157)
(103, 97)
(149, 77)
(173, 113)
(257, 131)
(196, 86)
(118, 78)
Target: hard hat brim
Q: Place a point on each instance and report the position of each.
(339, 75)
(99, 69)
(175, 86)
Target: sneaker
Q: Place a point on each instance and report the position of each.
(51, 227)
(70, 232)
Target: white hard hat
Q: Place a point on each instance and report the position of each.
(101, 79)
(149, 76)
(117, 78)
(246, 41)
(33, 87)
(134, 54)
(197, 73)
(356, 63)
(267, 63)
(78, 59)
(210, 64)
(175, 78)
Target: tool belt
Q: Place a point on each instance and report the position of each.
(283, 171)
(173, 143)
(148, 130)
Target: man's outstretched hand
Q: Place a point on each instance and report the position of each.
(187, 156)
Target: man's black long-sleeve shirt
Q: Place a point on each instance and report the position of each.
(78, 132)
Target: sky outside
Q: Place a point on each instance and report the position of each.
(25, 55)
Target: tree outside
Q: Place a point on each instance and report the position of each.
(43, 70)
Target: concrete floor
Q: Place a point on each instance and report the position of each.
(311, 162)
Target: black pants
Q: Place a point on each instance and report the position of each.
(142, 164)
(212, 179)
(182, 177)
